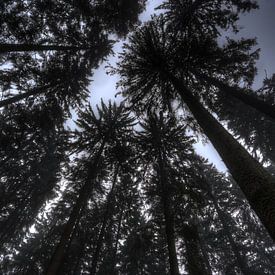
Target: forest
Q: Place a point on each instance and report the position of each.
(118, 187)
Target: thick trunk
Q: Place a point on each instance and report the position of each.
(255, 182)
(103, 227)
(19, 97)
(195, 263)
(238, 93)
(168, 218)
(36, 48)
(84, 193)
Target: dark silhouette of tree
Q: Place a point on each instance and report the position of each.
(252, 127)
(144, 250)
(240, 230)
(159, 139)
(63, 77)
(198, 19)
(210, 16)
(98, 231)
(66, 22)
(96, 133)
(146, 78)
(33, 143)
(36, 48)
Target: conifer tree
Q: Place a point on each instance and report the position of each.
(33, 143)
(148, 80)
(193, 19)
(160, 140)
(96, 133)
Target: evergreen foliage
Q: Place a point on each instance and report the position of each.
(119, 189)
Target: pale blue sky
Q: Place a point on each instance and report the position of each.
(259, 23)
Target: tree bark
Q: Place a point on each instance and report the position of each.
(195, 263)
(238, 93)
(168, 217)
(4, 48)
(103, 226)
(84, 193)
(256, 183)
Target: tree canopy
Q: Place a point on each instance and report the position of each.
(119, 187)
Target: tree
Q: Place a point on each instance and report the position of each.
(40, 22)
(160, 140)
(33, 144)
(198, 19)
(238, 225)
(95, 134)
(76, 29)
(252, 127)
(146, 78)
(210, 16)
(62, 76)
(36, 48)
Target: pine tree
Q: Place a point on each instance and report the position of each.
(95, 134)
(160, 140)
(33, 144)
(194, 20)
(63, 76)
(146, 78)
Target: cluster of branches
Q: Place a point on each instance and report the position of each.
(125, 193)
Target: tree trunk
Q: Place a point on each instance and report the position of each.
(103, 226)
(4, 48)
(256, 183)
(117, 240)
(168, 217)
(238, 93)
(195, 263)
(84, 193)
(19, 97)
(203, 247)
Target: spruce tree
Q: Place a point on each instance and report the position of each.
(148, 80)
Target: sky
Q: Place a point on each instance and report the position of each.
(259, 23)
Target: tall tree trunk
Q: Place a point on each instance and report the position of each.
(238, 93)
(202, 245)
(84, 193)
(256, 183)
(4, 48)
(99, 242)
(168, 217)
(195, 263)
(19, 97)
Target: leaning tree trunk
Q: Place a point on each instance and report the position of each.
(168, 217)
(238, 93)
(4, 48)
(84, 193)
(195, 263)
(99, 242)
(19, 97)
(256, 183)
